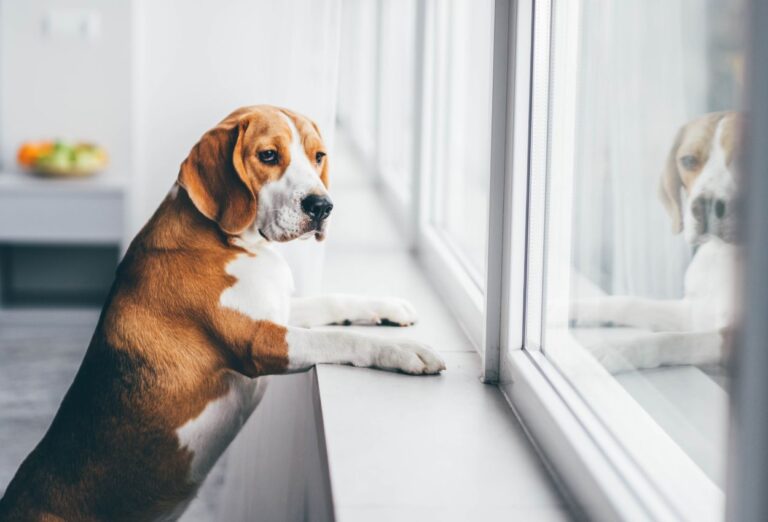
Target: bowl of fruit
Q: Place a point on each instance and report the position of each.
(62, 159)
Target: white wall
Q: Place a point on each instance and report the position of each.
(65, 86)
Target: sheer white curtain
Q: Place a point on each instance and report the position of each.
(643, 74)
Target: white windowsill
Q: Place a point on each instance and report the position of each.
(416, 448)
(439, 448)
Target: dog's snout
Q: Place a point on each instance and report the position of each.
(719, 208)
(705, 207)
(317, 207)
(711, 213)
(700, 208)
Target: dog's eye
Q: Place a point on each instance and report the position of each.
(689, 162)
(319, 157)
(268, 157)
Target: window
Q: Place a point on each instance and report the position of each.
(397, 103)
(460, 114)
(550, 156)
(357, 70)
(635, 115)
(455, 161)
(416, 81)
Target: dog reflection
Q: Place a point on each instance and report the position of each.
(699, 190)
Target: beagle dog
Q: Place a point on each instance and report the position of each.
(699, 191)
(200, 310)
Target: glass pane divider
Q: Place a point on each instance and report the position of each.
(494, 293)
(538, 164)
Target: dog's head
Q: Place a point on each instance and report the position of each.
(261, 171)
(699, 184)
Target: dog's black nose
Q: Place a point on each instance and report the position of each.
(720, 208)
(317, 207)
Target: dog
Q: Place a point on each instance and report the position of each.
(199, 312)
(699, 189)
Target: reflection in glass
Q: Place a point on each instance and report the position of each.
(462, 96)
(650, 211)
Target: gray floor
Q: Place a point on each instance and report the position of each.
(37, 364)
(38, 361)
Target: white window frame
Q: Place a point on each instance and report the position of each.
(608, 473)
(449, 271)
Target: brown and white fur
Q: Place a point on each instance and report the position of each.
(699, 190)
(200, 310)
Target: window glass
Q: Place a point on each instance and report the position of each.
(357, 73)
(396, 99)
(461, 93)
(641, 237)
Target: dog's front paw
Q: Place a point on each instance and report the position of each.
(392, 311)
(587, 312)
(410, 357)
(386, 311)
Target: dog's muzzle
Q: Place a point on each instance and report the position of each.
(714, 217)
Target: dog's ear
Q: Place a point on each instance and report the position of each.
(670, 186)
(215, 178)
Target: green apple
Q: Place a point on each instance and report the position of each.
(60, 158)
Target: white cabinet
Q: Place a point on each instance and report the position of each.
(35, 210)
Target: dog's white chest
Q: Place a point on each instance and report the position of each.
(263, 287)
(209, 434)
(709, 284)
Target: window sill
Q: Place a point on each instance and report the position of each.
(444, 448)
(399, 447)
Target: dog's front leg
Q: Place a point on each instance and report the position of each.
(307, 348)
(275, 349)
(351, 309)
(654, 314)
(652, 350)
